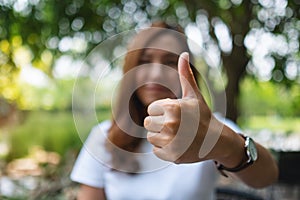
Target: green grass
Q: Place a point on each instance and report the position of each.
(52, 130)
(273, 123)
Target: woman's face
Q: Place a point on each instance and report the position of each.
(157, 71)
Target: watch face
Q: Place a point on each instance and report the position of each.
(252, 150)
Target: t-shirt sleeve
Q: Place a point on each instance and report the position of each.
(228, 123)
(88, 168)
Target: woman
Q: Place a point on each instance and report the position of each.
(160, 118)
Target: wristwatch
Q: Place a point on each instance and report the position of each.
(251, 153)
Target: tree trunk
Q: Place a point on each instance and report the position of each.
(235, 67)
(237, 18)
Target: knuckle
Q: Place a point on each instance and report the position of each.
(165, 139)
(151, 137)
(173, 107)
(172, 125)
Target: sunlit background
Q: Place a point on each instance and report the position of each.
(254, 44)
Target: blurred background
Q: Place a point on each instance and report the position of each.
(253, 43)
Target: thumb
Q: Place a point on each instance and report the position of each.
(187, 80)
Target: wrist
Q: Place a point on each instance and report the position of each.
(250, 156)
(232, 151)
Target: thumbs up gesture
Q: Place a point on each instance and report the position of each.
(177, 128)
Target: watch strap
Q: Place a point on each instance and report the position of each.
(238, 168)
(244, 164)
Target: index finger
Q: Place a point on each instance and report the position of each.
(155, 108)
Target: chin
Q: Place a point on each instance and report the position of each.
(149, 101)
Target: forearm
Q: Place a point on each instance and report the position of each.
(261, 173)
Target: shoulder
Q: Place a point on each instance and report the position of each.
(99, 130)
(102, 127)
(98, 134)
(95, 143)
(89, 167)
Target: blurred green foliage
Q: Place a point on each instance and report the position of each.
(38, 32)
(267, 98)
(52, 130)
(262, 104)
(45, 30)
(56, 96)
(274, 124)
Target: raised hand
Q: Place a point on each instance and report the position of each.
(183, 130)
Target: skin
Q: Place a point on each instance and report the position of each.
(156, 68)
(86, 192)
(157, 73)
(172, 129)
(228, 149)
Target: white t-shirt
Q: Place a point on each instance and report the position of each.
(158, 180)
